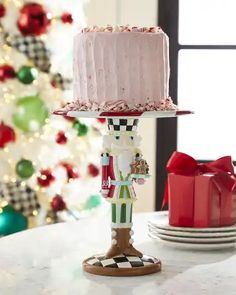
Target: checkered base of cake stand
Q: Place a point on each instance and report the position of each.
(122, 265)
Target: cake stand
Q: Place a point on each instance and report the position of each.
(122, 164)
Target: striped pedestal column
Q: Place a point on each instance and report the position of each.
(121, 215)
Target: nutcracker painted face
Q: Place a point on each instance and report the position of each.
(122, 134)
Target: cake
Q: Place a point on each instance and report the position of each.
(121, 68)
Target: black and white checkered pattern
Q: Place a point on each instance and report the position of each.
(21, 197)
(122, 124)
(34, 48)
(61, 82)
(121, 261)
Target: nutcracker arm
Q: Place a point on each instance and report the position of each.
(138, 155)
(105, 161)
(140, 168)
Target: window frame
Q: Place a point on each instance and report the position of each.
(166, 131)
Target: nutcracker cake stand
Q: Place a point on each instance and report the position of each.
(122, 165)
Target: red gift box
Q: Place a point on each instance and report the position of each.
(200, 195)
(207, 201)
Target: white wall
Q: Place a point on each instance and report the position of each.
(142, 13)
(132, 12)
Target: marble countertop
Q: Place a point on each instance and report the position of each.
(47, 261)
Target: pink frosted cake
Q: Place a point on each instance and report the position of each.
(121, 69)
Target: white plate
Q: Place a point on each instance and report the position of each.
(136, 114)
(191, 246)
(194, 240)
(160, 220)
(176, 233)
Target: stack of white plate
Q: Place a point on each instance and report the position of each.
(189, 237)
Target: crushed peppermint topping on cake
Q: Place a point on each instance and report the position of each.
(118, 106)
(126, 28)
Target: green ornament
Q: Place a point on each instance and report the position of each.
(81, 128)
(31, 113)
(24, 168)
(11, 221)
(27, 74)
(93, 202)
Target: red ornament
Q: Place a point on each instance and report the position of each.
(6, 72)
(53, 83)
(93, 170)
(7, 135)
(46, 178)
(58, 203)
(71, 119)
(67, 18)
(33, 19)
(101, 120)
(72, 172)
(61, 138)
(2, 10)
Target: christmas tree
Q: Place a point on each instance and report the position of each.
(48, 164)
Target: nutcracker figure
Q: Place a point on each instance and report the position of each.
(122, 165)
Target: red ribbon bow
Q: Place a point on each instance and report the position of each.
(183, 164)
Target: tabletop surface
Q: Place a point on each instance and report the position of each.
(47, 261)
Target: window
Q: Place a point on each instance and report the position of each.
(203, 74)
